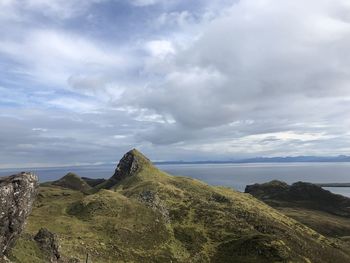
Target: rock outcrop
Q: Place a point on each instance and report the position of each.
(48, 243)
(152, 200)
(17, 195)
(129, 165)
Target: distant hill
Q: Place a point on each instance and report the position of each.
(308, 203)
(290, 159)
(142, 214)
(72, 181)
(93, 182)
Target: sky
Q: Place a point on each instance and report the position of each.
(84, 81)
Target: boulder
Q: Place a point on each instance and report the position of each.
(17, 195)
(48, 243)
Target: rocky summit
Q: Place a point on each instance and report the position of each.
(17, 195)
(128, 166)
(142, 214)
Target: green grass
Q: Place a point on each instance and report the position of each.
(322, 222)
(26, 250)
(74, 182)
(184, 220)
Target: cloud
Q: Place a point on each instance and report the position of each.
(186, 79)
(58, 9)
(160, 48)
(144, 2)
(56, 56)
(182, 19)
(260, 60)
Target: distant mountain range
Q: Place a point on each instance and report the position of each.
(289, 159)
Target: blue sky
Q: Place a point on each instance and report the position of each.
(82, 82)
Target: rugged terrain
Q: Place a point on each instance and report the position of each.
(142, 214)
(308, 203)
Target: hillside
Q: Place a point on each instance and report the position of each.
(72, 181)
(93, 182)
(142, 214)
(308, 203)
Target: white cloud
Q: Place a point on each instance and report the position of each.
(255, 53)
(75, 105)
(145, 2)
(160, 48)
(182, 19)
(52, 56)
(251, 77)
(39, 129)
(58, 9)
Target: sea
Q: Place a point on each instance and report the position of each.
(236, 176)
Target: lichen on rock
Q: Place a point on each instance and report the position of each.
(152, 200)
(17, 195)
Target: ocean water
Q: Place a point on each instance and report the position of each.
(236, 176)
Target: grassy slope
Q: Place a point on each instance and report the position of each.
(153, 217)
(322, 222)
(324, 212)
(72, 181)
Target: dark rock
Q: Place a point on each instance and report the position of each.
(131, 163)
(48, 243)
(270, 190)
(127, 166)
(17, 195)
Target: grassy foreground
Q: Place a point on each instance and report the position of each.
(150, 216)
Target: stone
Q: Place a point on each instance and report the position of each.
(129, 165)
(17, 195)
(152, 200)
(48, 243)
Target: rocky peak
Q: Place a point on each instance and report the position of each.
(131, 163)
(17, 195)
